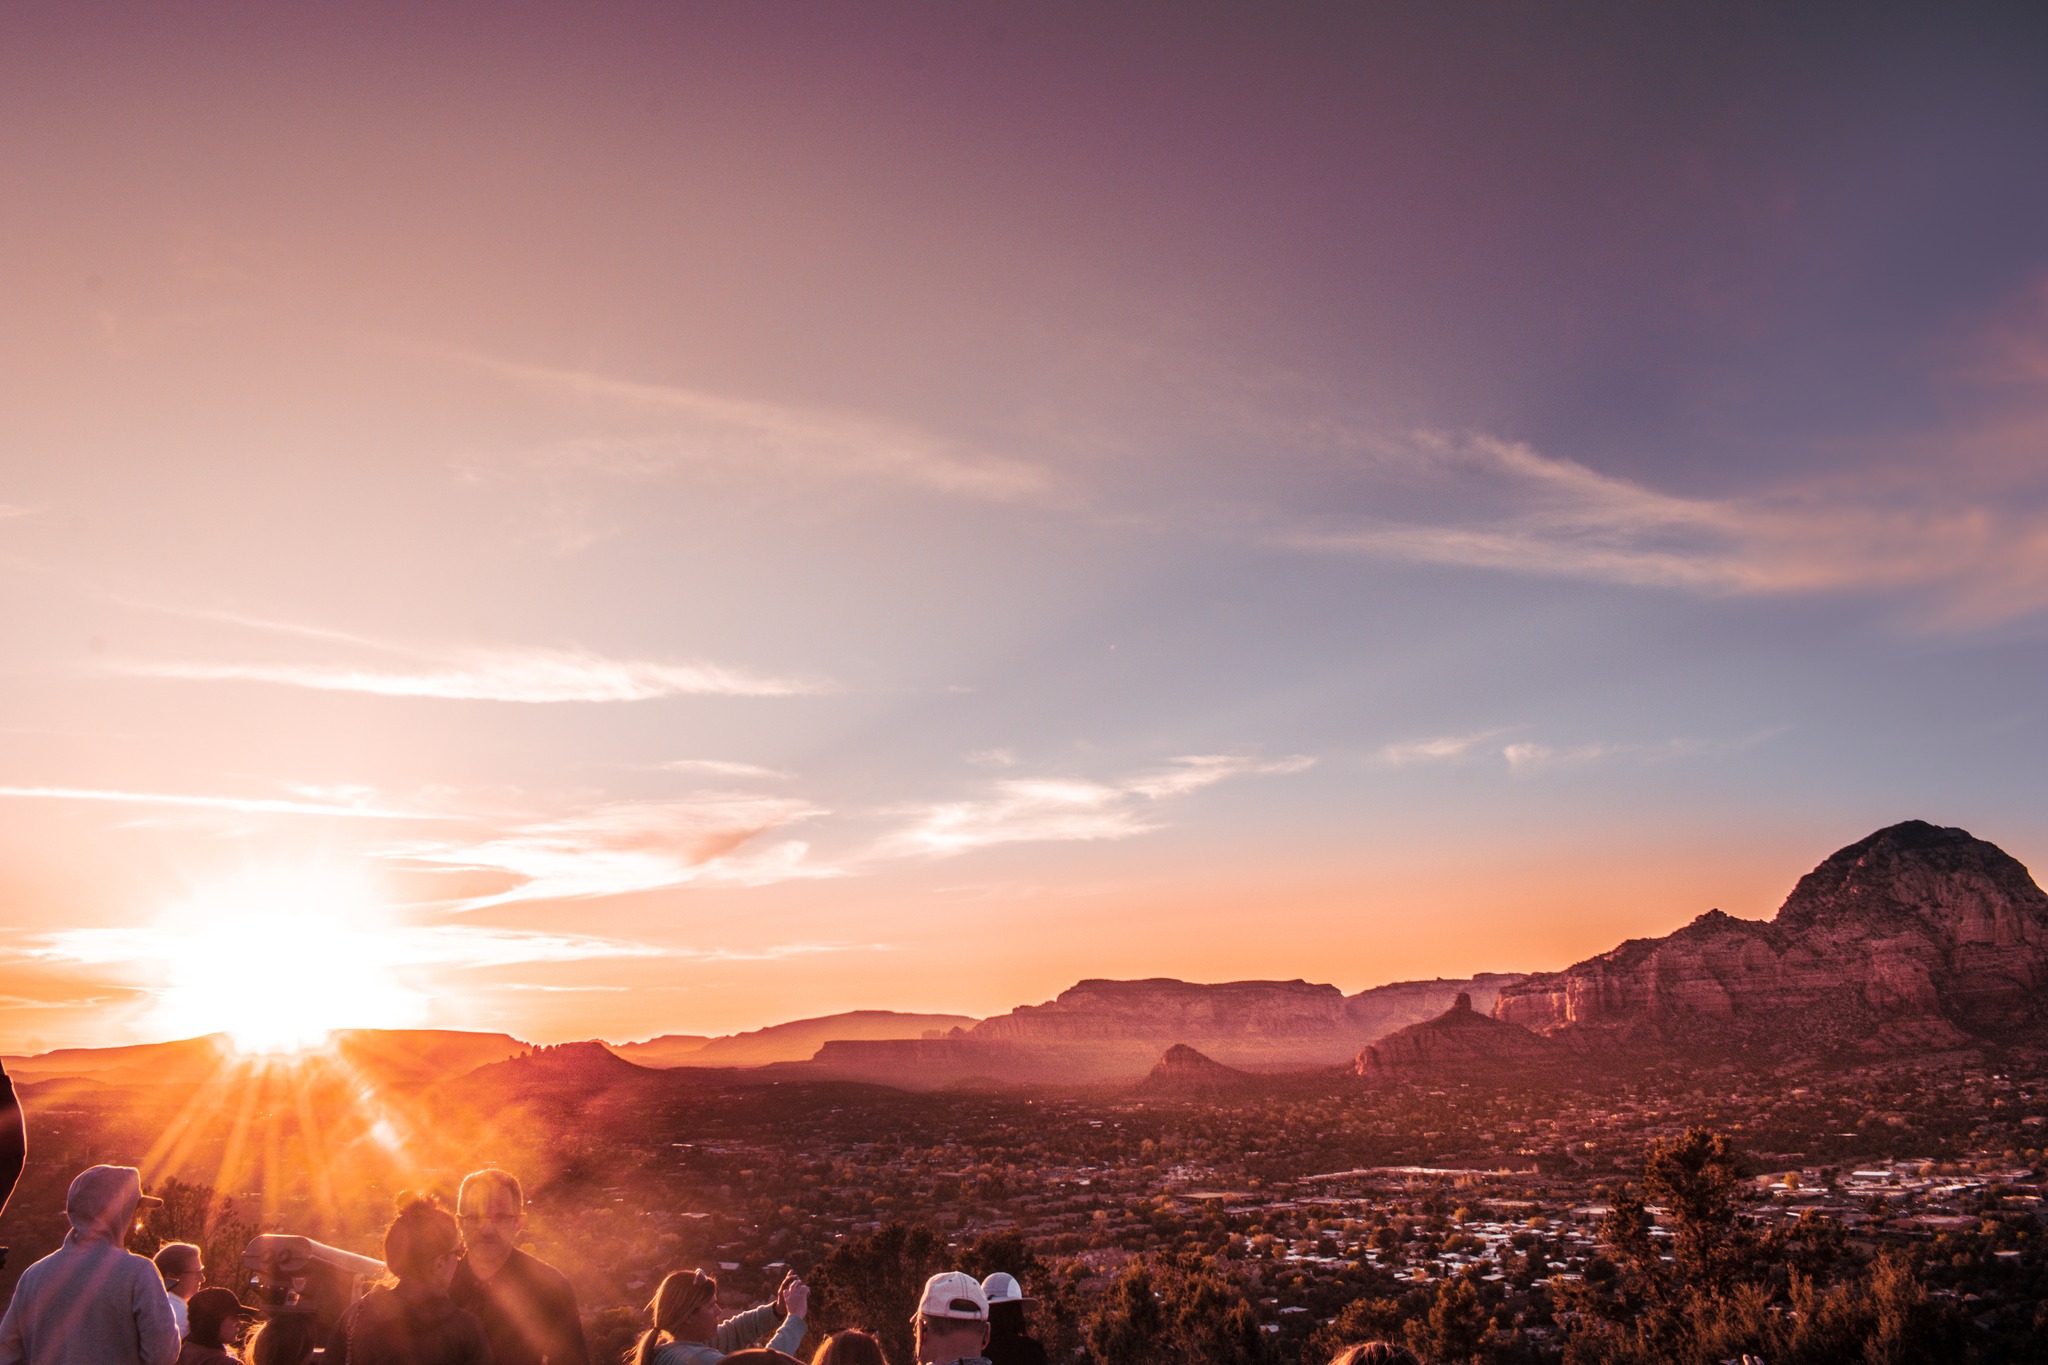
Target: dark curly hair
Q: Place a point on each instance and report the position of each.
(421, 1234)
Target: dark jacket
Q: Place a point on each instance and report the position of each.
(192, 1353)
(410, 1325)
(528, 1311)
(1013, 1348)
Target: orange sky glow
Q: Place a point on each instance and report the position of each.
(671, 520)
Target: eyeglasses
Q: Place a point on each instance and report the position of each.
(501, 1219)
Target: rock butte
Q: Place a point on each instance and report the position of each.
(1918, 936)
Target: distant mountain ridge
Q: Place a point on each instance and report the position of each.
(1915, 936)
(1113, 1032)
(389, 1056)
(798, 1040)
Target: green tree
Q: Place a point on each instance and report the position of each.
(196, 1214)
(1693, 1176)
(873, 1283)
(1451, 1332)
(1176, 1308)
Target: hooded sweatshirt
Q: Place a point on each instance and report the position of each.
(91, 1301)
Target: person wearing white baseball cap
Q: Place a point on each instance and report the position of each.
(1008, 1342)
(952, 1320)
(92, 1301)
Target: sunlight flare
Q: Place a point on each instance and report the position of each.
(278, 962)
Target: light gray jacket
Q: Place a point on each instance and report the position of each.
(90, 1302)
(736, 1333)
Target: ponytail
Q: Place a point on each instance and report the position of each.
(681, 1295)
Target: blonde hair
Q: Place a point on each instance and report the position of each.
(850, 1348)
(681, 1295)
(1376, 1353)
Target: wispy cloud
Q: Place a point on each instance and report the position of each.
(9, 510)
(248, 805)
(1527, 756)
(694, 427)
(1970, 553)
(628, 847)
(419, 945)
(1032, 810)
(715, 767)
(1441, 749)
(531, 675)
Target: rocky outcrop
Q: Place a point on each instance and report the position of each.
(1918, 935)
(1460, 1044)
(1186, 1072)
(1381, 1010)
(573, 1063)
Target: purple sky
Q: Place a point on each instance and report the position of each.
(695, 516)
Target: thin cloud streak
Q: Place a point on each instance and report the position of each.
(709, 427)
(535, 676)
(528, 675)
(1528, 756)
(242, 804)
(720, 768)
(630, 847)
(1441, 749)
(1971, 559)
(399, 946)
(1038, 810)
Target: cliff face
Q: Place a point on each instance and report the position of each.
(1459, 1044)
(1114, 1011)
(1916, 934)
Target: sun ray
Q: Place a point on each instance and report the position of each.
(313, 1140)
(166, 1157)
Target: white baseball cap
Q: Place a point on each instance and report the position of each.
(1003, 1288)
(954, 1294)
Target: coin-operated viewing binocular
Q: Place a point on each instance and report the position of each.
(288, 1274)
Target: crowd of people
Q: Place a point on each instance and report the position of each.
(459, 1291)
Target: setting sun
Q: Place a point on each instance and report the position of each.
(277, 963)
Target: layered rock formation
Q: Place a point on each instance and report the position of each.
(1918, 935)
(1241, 1016)
(1460, 1044)
(1114, 1031)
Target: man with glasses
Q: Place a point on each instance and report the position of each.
(184, 1275)
(527, 1307)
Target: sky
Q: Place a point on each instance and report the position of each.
(665, 519)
